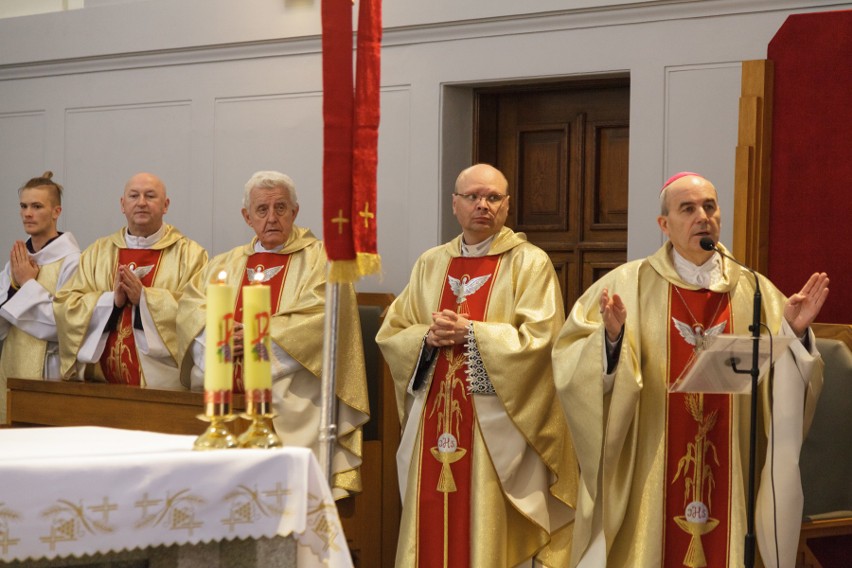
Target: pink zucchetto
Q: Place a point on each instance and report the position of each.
(676, 177)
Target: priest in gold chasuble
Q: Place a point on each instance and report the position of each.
(116, 316)
(28, 282)
(664, 475)
(292, 262)
(486, 466)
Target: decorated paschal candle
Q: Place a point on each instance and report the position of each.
(257, 369)
(219, 351)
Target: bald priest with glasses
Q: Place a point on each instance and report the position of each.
(487, 472)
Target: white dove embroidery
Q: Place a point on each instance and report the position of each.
(697, 335)
(268, 274)
(466, 286)
(142, 271)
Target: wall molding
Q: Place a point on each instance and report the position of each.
(416, 34)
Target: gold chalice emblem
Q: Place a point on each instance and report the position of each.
(697, 523)
(447, 452)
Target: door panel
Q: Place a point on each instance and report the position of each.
(564, 149)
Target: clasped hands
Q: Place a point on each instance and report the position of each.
(22, 267)
(448, 328)
(127, 287)
(238, 340)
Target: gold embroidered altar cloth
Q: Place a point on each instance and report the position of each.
(90, 490)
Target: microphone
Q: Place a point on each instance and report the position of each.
(709, 245)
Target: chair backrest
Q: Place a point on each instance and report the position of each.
(371, 310)
(826, 458)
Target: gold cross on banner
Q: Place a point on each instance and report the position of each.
(367, 215)
(340, 219)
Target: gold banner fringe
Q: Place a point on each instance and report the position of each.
(349, 271)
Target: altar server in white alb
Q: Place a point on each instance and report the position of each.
(36, 269)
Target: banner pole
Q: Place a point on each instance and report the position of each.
(328, 410)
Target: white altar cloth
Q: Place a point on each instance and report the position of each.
(88, 490)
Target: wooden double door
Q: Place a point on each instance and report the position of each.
(564, 149)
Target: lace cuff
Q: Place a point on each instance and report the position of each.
(477, 379)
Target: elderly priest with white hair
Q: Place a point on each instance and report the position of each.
(293, 263)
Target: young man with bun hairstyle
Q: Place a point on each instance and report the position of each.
(37, 268)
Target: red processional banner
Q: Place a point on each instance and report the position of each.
(350, 137)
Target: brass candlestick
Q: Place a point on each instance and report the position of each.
(217, 411)
(260, 434)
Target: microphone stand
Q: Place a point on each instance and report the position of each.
(750, 541)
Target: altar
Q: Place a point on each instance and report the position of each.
(74, 493)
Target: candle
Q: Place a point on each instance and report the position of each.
(257, 370)
(218, 356)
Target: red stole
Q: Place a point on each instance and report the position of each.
(698, 444)
(120, 361)
(273, 266)
(447, 434)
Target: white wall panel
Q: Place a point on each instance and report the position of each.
(702, 110)
(279, 132)
(400, 199)
(106, 145)
(22, 138)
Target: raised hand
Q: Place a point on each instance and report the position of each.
(802, 308)
(613, 314)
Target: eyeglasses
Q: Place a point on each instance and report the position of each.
(490, 199)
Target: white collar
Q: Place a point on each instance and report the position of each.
(134, 242)
(704, 276)
(259, 247)
(58, 248)
(477, 250)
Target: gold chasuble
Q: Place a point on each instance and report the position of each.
(664, 475)
(165, 268)
(445, 462)
(119, 361)
(487, 478)
(296, 275)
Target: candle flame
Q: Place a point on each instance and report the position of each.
(258, 277)
(221, 278)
